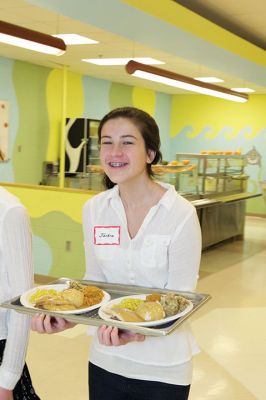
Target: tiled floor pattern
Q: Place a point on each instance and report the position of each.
(230, 329)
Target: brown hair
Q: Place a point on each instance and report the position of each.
(147, 127)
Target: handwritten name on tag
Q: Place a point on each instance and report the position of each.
(107, 235)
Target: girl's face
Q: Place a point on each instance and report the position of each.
(123, 154)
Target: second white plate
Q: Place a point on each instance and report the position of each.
(163, 321)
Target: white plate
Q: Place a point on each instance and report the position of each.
(25, 299)
(111, 303)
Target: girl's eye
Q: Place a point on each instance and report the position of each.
(127, 142)
(105, 142)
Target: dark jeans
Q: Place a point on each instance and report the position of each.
(23, 389)
(104, 385)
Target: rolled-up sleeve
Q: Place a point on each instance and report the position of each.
(185, 255)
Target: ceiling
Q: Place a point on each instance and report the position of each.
(245, 18)
(182, 51)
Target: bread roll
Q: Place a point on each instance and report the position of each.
(74, 296)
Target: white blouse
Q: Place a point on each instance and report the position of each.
(16, 276)
(165, 253)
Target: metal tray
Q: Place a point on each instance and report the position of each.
(116, 290)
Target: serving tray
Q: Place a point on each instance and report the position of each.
(116, 290)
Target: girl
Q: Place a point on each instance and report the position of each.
(156, 243)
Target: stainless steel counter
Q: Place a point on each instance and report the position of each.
(222, 217)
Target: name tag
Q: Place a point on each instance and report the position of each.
(107, 235)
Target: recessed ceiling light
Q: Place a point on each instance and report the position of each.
(209, 79)
(243, 90)
(121, 61)
(73, 38)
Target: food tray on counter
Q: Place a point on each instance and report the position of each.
(171, 169)
(157, 169)
(115, 291)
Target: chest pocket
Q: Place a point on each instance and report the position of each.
(154, 251)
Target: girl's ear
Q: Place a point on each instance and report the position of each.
(150, 156)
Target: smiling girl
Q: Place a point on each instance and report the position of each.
(156, 242)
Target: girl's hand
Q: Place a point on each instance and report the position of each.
(112, 336)
(42, 323)
(6, 394)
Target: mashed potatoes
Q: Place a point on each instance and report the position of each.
(150, 311)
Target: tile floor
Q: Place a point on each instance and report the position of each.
(230, 329)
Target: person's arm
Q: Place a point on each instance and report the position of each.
(6, 394)
(184, 255)
(17, 262)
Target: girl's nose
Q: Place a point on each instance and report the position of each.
(116, 149)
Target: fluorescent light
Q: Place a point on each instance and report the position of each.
(27, 44)
(243, 90)
(73, 38)
(209, 79)
(121, 61)
(182, 82)
(15, 35)
(186, 86)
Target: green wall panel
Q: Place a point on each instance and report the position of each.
(59, 231)
(120, 95)
(32, 136)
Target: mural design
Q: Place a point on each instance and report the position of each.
(54, 99)
(77, 133)
(4, 130)
(218, 125)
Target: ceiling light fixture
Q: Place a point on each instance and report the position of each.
(209, 79)
(243, 90)
(121, 61)
(73, 39)
(182, 82)
(29, 39)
